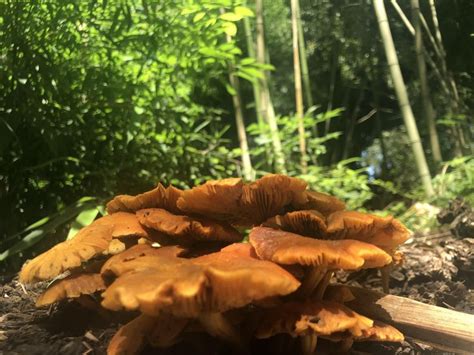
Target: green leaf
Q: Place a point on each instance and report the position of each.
(230, 28)
(199, 16)
(243, 11)
(231, 16)
(82, 220)
(230, 89)
(50, 226)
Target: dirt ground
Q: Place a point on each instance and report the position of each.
(438, 269)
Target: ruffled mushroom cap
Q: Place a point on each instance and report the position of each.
(188, 287)
(88, 243)
(322, 318)
(131, 338)
(217, 199)
(159, 197)
(384, 232)
(323, 203)
(268, 196)
(72, 286)
(185, 228)
(138, 251)
(308, 223)
(288, 248)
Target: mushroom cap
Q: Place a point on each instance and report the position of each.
(159, 197)
(186, 287)
(309, 223)
(322, 318)
(138, 251)
(384, 232)
(186, 228)
(324, 203)
(217, 199)
(131, 337)
(88, 243)
(269, 195)
(72, 286)
(381, 332)
(232, 201)
(288, 248)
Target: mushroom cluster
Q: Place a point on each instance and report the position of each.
(179, 261)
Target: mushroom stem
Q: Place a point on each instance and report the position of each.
(217, 325)
(322, 286)
(311, 279)
(345, 345)
(385, 272)
(308, 344)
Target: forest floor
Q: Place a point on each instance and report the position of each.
(438, 269)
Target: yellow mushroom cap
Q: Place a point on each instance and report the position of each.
(288, 248)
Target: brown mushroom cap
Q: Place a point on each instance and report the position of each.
(232, 201)
(186, 228)
(288, 248)
(159, 197)
(131, 338)
(318, 317)
(384, 232)
(323, 203)
(217, 199)
(72, 286)
(309, 223)
(138, 251)
(268, 196)
(89, 242)
(188, 287)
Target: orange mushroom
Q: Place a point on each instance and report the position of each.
(309, 223)
(322, 256)
(73, 286)
(384, 232)
(321, 202)
(217, 199)
(268, 196)
(186, 228)
(88, 243)
(159, 197)
(310, 320)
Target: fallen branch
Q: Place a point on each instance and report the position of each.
(440, 327)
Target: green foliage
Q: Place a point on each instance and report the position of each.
(108, 97)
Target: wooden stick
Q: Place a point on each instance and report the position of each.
(440, 327)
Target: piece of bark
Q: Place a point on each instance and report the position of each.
(440, 327)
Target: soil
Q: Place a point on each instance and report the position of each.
(438, 269)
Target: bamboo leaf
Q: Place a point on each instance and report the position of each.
(82, 220)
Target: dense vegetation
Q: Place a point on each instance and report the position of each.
(108, 97)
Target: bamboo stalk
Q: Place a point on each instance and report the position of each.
(298, 88)
(441, 327)
(402, 95)
(267, 109)
(424, 88)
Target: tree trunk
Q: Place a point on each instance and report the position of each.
(401, 92)
(425, 91)
(267, 110)
(298, 88)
